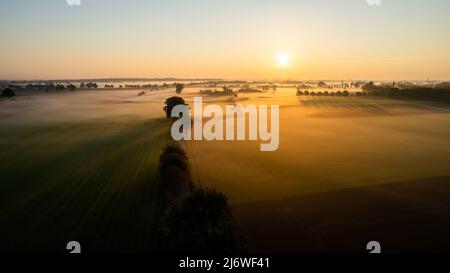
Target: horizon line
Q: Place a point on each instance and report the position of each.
(101, 79)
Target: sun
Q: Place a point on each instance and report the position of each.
(282, 60)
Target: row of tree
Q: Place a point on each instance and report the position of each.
(438, 93)
(51, 87)
(323, 84)
(344, 93)
(89, 85)
(174, 172)
(226, 91)
(195, 219)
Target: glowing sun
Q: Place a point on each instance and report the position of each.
(282, 60)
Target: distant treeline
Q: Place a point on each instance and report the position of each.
(323, 84)
(344, 93)
(45, 87)
(248, 89)
(224, 92)
(440, 92)
(269, 87)
(51, 86)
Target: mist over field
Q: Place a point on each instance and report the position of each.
(84, 164)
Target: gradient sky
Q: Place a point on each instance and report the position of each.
(241, 39)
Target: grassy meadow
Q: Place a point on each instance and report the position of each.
(75, 167)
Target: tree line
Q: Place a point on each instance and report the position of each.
(440, 92)
(194, 219)
(437, 93)
(344, 93)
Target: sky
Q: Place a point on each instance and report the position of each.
(232, 39)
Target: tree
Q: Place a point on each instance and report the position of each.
(71, 87)
(175, 156)
(50, 86)
(203, 223)
(8, 93)
(322, 84)
(59, 87)
(174, 172)
(171, 103)
(179, 88)
(227, 90)
(368, 87)
(91, 85)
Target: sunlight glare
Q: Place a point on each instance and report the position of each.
(282, 60)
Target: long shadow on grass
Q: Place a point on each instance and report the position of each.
(101, 191)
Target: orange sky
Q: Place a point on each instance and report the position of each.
(225, 39)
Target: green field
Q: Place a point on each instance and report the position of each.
(84, 179)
